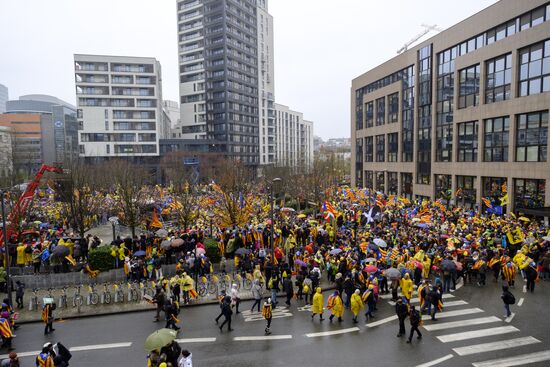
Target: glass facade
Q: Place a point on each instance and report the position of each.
(498, 79)
(407, 185)
(392, 147)
(407, 116)
(445, 105)
(380, 111)
(392, 183)
(369, 149)
(369, 116)
(369, 179)
(443, 187)
(534, 70)
(532, 137)
(380, 186)
(393, 107)
(380, 148)
(467, 141)
(424, 142)
(529, 194)
(495, 139)
(468, 95)
(466, 191)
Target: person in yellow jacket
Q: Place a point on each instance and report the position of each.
(70, 245)
(426, 267)
(336, 306)
(187, 285)
(267, 313)
(318, 303)
(257, 275)
(357, 305)
(406, 285)
(21, 254)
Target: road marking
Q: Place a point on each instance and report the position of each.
(257, 316)
(196, 340)
(305, 308)
(520, 302)
(453, 324)
(382, 321)
(263, 337)
(100, 346)
(500, 345)
(455, 303)
(417, 300)
(435, 361)
(525, 288)
(23, 354)
(516, 360)
(465, 311)
(335, 332)
(458, 286)
(477, 334)
(510, 318)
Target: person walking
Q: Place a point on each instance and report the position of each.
(186, 359)
(267, 313)
(370, 301)
(318, 303)
(160, 300)
(11, 361)
(288, 288)
(227, 312)
(257, 294)
(235, 299)
(171, 314)
(6, 333)
(402, 311)
(434, 298)
(221, 299)
(415, 319)
(508, 299)
(406, 285)
(46, 356)
(19, 293)
(356, 305)
(273, 284)
(47, 317)
(336, 306)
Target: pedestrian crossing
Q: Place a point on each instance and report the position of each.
(277, 313)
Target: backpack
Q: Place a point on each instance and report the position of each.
(415, 317)
(509, 298)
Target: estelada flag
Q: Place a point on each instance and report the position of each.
(155, 223)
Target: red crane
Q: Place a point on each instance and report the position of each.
(20, 208)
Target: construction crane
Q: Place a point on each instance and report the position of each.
(427, 29)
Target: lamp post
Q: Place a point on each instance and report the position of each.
(277, 179)
(114, 222)
(6, 248)
(210, 216)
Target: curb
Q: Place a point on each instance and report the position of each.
(206, 303)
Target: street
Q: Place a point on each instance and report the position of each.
(296, 340)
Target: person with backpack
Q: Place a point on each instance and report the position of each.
(402, 311)
(416, 320)
(267, 313)
(221, 299)
(227, 312)
(257, 294)
(171, 312)
(508, 299)
(288, 288)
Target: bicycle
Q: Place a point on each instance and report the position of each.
(247, 281)
(226, 282)
(238, 279)
(106, 294)
(213, 284)
(63, 298)
(202, 286)
(93, 297)
(133, 295)
(119, 294)
(34, 303)
(77, 298)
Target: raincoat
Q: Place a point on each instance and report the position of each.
(318, 302)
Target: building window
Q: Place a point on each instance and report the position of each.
(392, 147)
(380, 148)
(529, 194)
(495, 140)
(532, 137)
(107, 149)
(407, 185)
(392, 183)
(369, 179)
(466, 191)
(369, 149)
(106, 125)
(499, 79)
(534, 70)
(380, 186)
(393, 107)
(407, 114)
(469, 87)
(369, 116)
(467, 141)
(443, 187)
(380, 111)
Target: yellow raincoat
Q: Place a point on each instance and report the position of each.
(336, 306)
(356, 304)
(406, 285)
(318, 302)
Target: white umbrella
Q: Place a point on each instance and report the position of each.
(162, 232)
(380, 242)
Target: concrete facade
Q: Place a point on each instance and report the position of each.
(293, 138)
(429, 122)
(119, 101)
(4, 97)
(6, 152)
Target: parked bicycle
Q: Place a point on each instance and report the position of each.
(93, 297)
(119, 293)
(34, 302)
(63, 298)
(77, 298)
(106, 294)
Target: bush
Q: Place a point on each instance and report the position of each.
(212, 251)
(101, 259)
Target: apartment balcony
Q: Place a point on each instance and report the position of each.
(189, 6)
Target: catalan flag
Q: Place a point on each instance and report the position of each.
(458, 192)
(329, 208)
(487, 203)
(504, 188)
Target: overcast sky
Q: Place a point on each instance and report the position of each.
(320, 45)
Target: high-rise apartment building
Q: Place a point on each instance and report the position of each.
(219, 77)
(119, 101)
(4, 96)
(463, 116)
(293, 138)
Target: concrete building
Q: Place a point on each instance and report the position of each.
(4, 97)
(463, 115)
(119, 101)
(6, 152)
(59, 128)
(172, 110)
(220, 72)
(293, 138)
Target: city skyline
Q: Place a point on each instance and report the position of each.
(324, 100)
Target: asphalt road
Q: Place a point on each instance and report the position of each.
(118, 340)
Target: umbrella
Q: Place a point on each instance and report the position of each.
(393, 274)
(373, 247)
(524, 219)
(161, 232)
(313, 222)
(60, 251)
(139, 253)
(242, 251)
(288, 210)
(300, 263)
(458, 265)
(380, 242)
(546, 238)
(370, 260)
(418, 264)
(177, 242)
(165, 244)
(159, 339)
(200, 245)
(370, 269)
(200, 251)
(448, 265)
(422, 225)
(301, 216)
(335, 251)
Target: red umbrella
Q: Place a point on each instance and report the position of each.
(418, 264)
(370, 269)
(309, 249)
(200, 245)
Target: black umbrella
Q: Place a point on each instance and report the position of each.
(448, 265)
(61, 251)
(242, 251)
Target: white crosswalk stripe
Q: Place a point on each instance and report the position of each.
(500, 345)
(417, 300)
(461, 323)
(477, 334)
(520, 360)
(278, 313)
(444, 314)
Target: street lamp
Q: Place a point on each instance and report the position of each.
(114, 222)
(210, 216)
(6, 248)
(277, 179)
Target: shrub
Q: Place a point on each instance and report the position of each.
(212, 251)
(101, 259)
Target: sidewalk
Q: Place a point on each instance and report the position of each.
(26, 316)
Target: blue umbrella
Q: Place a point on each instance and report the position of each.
(139, 253)
(422, 225)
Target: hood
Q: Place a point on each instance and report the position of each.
(318, 290)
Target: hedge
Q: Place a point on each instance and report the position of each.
(212, 251)
(101, 259)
